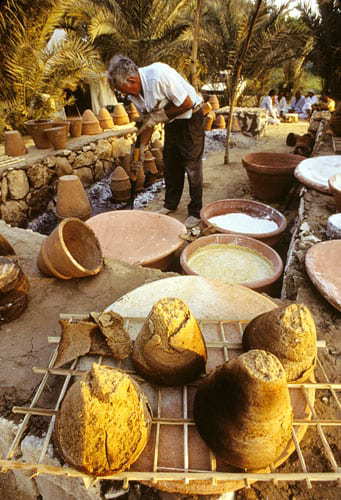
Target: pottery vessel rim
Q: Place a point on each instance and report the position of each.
(264, 250)
(269, 167)
(332, 180)
(239, 203)
(79, 266)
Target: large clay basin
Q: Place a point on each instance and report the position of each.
(138, 237)
(249, 207)
(271, 174)
(264, 285)
(71, 251)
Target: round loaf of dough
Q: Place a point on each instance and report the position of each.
(104, 422)
(289, 333)
(170, 348)
(243, 411)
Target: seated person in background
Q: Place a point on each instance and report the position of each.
(282, 106)
(267, 103)
(310, 100)
(297, 103)
(326, 103)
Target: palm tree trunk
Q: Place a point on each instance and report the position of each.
(195, 45)
(236, 77)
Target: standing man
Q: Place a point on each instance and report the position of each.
(167, 97)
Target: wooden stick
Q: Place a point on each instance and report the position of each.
(300, 456)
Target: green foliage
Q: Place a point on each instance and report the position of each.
(33, 77)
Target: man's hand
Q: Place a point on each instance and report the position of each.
(153, 119)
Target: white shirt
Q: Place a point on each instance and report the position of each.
(161, 84)
(266, 103)
(283, 105)
(297, 105)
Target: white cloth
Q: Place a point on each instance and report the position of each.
(161, 85)
(297, 104)
(282, 106)
(267, 104)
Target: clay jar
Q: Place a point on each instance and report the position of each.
(105, 119)
(132, 112)
(335, 188)
(75, 126)
(208, 122)
(62, 123)
(90, 124)
(140, 178)
(36, 129)
(120, 185)
(149, 163)
(219, 122)
(57, 137)
(70, 251)
(120, 115)
(14, 288)
(271, 175)
(214, 102)
(304, 145)
(72, 200)
(14, 144)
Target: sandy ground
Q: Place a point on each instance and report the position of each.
(24, 347)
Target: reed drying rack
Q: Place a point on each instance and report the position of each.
(227, 343)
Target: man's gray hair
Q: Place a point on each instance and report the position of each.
(120, 69)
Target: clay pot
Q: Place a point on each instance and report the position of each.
(219, 122)
(264, 285)
(62, 123)
(91, 127)
(72, 200)
(57, 137)
(120, 115)
(14, 287)
(214, 102)
(140, 178)
(120, 185)
(14, 144)
(271, 174)
(133, 112)
(208, 122)
(88, 116)
(304, 145)
(206, 108)
(70, 251)
(335, 188)
(249, 207)
(291, 139)
(105, 119)
(125, 163)
(75, 126)
(36, 129)
(149, 163)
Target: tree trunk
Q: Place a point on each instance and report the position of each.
(236, 77)
(195, 44)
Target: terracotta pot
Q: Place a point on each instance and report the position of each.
(214, 102)
(105, 119)
(36, 129)
(264, 285)
(219, 122)
(88, 116)
(120, 115)
(140, 178)
(57, 137)
(71, 251)
(91, 127)
(133, 112)
(62, 123)
(14, 144)
(120, 185)
(304, 145)
(149, 163)
(75, 126)
(208, 122)
(72, 200)
(271, 174)
(335, 188)
(206, 108)
(291, 139)
(249, 207)
(14, 287)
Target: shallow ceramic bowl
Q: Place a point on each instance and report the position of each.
(138, 237)
(249, 207)
(264, 250)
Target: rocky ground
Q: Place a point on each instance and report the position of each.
(23, 343)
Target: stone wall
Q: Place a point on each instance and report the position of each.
(28, 186)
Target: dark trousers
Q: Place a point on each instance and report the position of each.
(183, 150)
